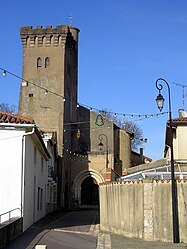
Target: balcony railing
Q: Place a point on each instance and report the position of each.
(16, 212)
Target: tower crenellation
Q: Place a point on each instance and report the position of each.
(48, 36)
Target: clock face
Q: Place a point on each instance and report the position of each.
(83, 147)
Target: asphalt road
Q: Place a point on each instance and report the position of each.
(79, 230)
(68, 231)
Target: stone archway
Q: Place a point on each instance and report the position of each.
(89, 192)
(87, 179)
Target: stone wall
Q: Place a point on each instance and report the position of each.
(142, 209)
(10, 230)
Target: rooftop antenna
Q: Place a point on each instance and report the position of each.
(183, 91)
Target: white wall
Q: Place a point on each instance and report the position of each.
(10, 168)
(180, 143)
(35, 185)
(35, 179)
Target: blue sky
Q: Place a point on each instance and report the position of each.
(124, 46)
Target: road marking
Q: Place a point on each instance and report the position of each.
(41, 247)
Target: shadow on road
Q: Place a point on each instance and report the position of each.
(71, 221)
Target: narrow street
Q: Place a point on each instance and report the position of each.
(67, 230)
(79, 230)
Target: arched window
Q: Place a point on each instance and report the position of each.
(47, 62)
(39, 62)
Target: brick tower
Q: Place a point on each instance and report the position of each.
(49, 92)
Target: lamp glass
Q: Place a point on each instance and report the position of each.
(100, 145)
(160, 101)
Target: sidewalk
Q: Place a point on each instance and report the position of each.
(121, 242)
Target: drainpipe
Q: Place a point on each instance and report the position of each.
(23, 166)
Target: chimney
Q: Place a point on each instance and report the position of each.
(182, 113)
(141, 156)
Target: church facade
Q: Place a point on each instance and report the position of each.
(91, 148)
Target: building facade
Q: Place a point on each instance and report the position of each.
(49, 95)
(24, 170)
(179, 129)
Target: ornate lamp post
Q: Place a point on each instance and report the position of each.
(100, 145)
(160, 104)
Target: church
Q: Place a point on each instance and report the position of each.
(91, 148)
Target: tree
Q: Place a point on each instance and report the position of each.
(7, 108)
(127, 125)
(138, 133)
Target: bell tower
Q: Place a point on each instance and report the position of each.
(49, 66)
(48, 92)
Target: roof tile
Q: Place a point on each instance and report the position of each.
(6, 117)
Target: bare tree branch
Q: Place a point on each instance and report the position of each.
(127, 125)
(5, 107)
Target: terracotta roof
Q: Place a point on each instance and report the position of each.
(179, 120)
(6, 117)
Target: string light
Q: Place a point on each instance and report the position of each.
(115, 114)
(31, 83)
(25, 83)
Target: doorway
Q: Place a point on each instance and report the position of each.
(89, 192)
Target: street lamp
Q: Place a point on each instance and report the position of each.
(100, 145)
(160, 104)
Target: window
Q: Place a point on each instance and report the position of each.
(39, 62)
(40, 199)
(38, 202)
(35, 156)
(83, 147)
(47, 62)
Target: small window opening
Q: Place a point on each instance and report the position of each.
(47, 62)
(39, 62)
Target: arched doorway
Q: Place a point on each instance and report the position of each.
(87, 181)
(89, 192)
